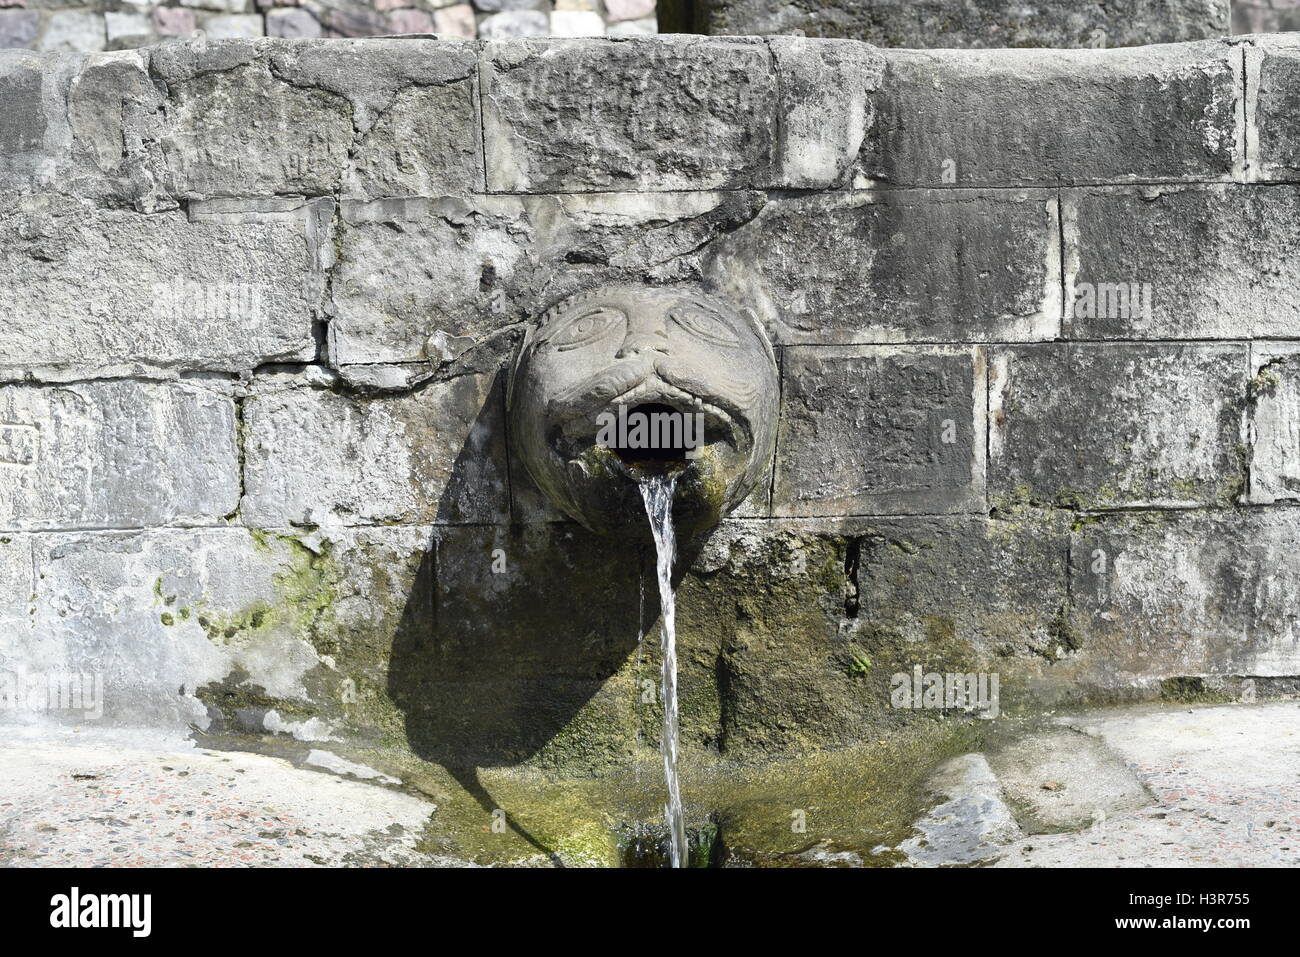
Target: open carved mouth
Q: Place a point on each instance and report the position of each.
(651, 427)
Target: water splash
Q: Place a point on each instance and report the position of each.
(657, 492)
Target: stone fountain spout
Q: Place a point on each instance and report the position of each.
(695, 374)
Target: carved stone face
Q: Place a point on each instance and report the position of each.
(643, 348)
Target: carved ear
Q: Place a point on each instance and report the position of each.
(524, 344)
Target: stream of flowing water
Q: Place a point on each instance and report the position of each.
(657, 492)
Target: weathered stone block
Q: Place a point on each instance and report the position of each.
(672, 113)
(426, 144)
(22, 121)
(320, 458)
(111, 103)
(898, 266)
(371, 73)
(1091, 425)
(826, 89)
(765, 665)
(226, 625)
(954, 594)
(18, 28)
(989, 23)
(1274, 423)
(206, 291)
(1025, 118)
(412, 270)
(1181, 263)
(511, 24)
(236, 129)
(118, 454)
(871, 430)
(1273, 87)
(1162, 595)
(81, 31)
(18, 579)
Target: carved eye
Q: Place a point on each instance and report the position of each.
(587, 327)
(706, 325)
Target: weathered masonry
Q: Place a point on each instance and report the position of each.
(1037, 319)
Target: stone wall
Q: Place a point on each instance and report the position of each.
(86, 27)
(1036, 316)
(962, 23)
(1265, 16)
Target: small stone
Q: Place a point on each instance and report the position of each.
(171, 21)
(79, 31)
(514, 23)
(128, 29)
(224, 6)
(233, 27)
(635, 28)
(384, 6)
(18, 28)
(410, 21)
(354, 23)
(617, 10)
(1053, 786)
(292, 22)
(456, 21)
(496, 6)
(577, 23)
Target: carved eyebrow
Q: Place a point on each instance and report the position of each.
(577, 311)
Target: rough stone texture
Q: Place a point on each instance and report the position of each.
(236, 129)
(1274, 423)
(75, 124)
(679, 113)
(1165, 595)
(1216, 262)
(418, 271)
(116, 454)
(1273, 66)
(1087, 425)
(996, 23)
(1024, 118)
(971, 822)
(826, 108)
(292, 22)
(354, 429)
(425, 144)
(513, 24)
(219, 289)
(880, 430)
(434, 455)
(962, 593)
(79, 31)
(898, 266)
(18, 28)
(175, 804)
(1065, 781)
(1224, 781)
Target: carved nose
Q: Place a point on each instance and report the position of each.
(639, 342)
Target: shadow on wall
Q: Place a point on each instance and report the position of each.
(509, 633)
